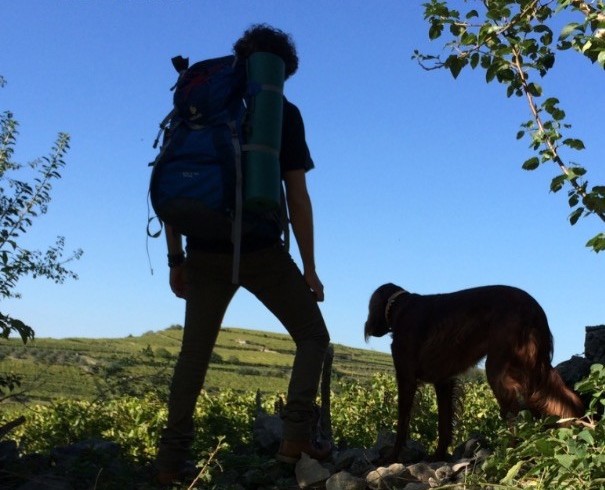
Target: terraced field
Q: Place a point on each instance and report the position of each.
(243, 360)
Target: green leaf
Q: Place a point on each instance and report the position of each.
(510, 90)
(549, 104)
(565, 460)
(435, 31)
(597, 243)
(455, 64)
(545, 447)
(574, 143)
(568, 29)
(512, 473)
(505, 75)
(586, 436)
(558, 114)
(531, 164)
(576, 215)
(520, 134)
(471, 14)
(468, 39)
(574, 199)
(534, 89)
(574, 172)
(491, 72)
(557, 183)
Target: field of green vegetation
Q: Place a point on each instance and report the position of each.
(115, 389)
(243, 360)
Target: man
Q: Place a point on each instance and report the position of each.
(203, 278)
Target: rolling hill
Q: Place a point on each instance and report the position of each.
(88, 368)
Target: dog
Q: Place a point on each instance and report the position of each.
(438, 336)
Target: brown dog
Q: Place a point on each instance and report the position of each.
(436, 337)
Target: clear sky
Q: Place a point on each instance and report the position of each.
(418, 177)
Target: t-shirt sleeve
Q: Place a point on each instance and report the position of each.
(294, 154)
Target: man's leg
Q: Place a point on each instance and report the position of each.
(209, 291)
(273, 277)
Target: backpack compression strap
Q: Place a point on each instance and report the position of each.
(236, 229)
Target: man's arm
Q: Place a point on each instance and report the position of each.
(174, 243)
(301, 217)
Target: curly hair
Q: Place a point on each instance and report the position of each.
(263, 37)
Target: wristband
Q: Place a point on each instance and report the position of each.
(174, 260)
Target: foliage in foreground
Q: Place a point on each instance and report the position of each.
(527, 455)
(515, 42)
(24, 196)
(532, 456)
(360, 412)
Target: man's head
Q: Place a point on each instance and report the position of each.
(262, 37)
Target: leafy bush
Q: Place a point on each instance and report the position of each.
(360, 412)
(135, 423)
(535, 455)
(529, 454)
(163, 353)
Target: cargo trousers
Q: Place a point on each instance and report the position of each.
(274, 278)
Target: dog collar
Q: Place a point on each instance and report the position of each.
(390, 302)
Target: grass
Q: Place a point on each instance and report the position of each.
(243, 360)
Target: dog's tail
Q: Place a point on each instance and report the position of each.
(550, 396)
(547, 393)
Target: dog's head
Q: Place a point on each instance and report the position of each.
(376, 324)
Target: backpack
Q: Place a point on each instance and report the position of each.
(198, 181)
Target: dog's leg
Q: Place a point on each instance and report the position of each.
(445, 408)
(406, 389)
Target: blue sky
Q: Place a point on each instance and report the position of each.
(418, 177)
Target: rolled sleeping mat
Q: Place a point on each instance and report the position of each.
(266, 74)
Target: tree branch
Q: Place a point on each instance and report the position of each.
(551, 146)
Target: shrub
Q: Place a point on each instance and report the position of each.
(533, 454)
(355, 408)
(163, 353)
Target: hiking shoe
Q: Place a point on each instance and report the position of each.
(290, 451)
(186, 471)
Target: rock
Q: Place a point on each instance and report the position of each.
(417, 486)
(444, 473)
(267, 432)
(346, 458)
(387, 477)
(345, 481)
(46, 482)
(468, 449)
(8, 451)
(422, 472)
(309, 472)
(411, 451)
(460, 467)
(64, 455)
(573, 370)
(594, 344)
(362, 466)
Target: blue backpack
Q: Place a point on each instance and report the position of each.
(196, 183)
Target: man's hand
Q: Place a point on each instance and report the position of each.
(314, 284)
(177, 281)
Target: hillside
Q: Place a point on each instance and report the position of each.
(84, 368)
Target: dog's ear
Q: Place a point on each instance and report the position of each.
(376, 324)
(389, 289)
